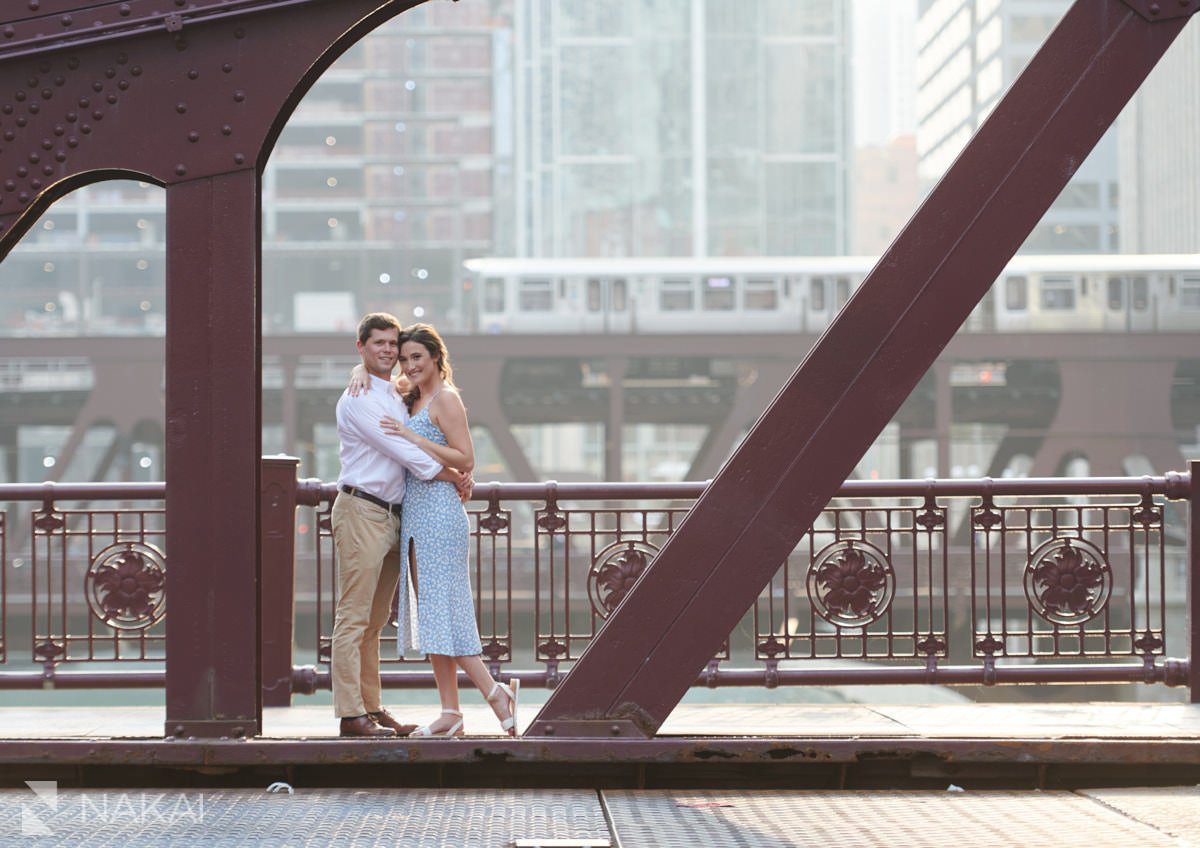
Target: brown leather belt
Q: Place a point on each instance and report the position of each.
(394, 509)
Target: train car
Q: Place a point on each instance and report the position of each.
(1068, 293)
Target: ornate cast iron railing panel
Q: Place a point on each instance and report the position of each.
(869, 583)
(113, 561)
(1069, 580)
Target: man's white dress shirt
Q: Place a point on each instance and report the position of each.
(372, 460)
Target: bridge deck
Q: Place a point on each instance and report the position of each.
(715, 745)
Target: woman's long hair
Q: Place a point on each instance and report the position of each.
(427, 337)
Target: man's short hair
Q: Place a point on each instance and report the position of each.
(377, 321)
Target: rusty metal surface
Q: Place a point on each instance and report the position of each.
(864, 367)
(680, 819)
(417, 818)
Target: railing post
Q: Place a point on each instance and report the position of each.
(1193, 595)
(278, 517)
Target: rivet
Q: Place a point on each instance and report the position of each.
(23, 197)
(98, 115)
(72, 117)
(193, 136)
(85, 128)
(1154, 9)
(48, 170)
(193, 74)
(180, 108)
(9, 32)
(60, 81)
(549, 729)
(47, 93)
(136, 70)
(34, 5)
(32, 82)
(34, 158)
(124, 10)
(73, 63)
(20, 95)
(8, 109)
(35, 184)
(239, 158)
(180, 170)
(59, 129)
(22, 172)
(226, 130)
(112, 99)
(110, 72)
(22, 120)
(9, 135)
(9, 185)
(97, 87)
(615, 730)
(47, 144)
(84, 103)
(239, 96)
(123, 85)
(72, 142)
(60, 156)
(227, 68)
(34, 108)
(67, 20)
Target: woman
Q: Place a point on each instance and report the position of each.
(437, 611)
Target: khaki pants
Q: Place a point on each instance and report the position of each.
(367, 539)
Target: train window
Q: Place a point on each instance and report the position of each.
(761, 294)
(816, 296)
(595, 296)
(1058, 293)
(676, 296)
(1189, 291)
(843, 291)
(718, 293)
(1016, 294)
(1116, 293)
(1140, 294)
(619, 300)
(536, 296)
(493, 294)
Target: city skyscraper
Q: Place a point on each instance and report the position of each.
(969, 52)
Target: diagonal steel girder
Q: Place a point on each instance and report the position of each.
(854, 380)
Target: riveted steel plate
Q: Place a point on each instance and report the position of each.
(686, 819)
(131, 818)
(1174, 810)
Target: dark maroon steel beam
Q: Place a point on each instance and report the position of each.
(851, 384)
(1193, 582)
(191, 98)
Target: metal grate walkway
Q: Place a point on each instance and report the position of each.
(494, 818)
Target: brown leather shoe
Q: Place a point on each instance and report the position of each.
(364, 726)
(385, 719)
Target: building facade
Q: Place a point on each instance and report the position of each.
(969, 52)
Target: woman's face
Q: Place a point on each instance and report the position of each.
(416, 362)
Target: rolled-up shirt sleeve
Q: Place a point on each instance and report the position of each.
(362, 416)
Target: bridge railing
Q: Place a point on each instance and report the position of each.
(935, 581)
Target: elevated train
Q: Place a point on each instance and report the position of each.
(1062, 293)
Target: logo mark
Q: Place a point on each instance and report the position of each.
(32, 815)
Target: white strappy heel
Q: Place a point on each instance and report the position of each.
(508, 725)
(453, 730)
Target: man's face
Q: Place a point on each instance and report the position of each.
(379, 352)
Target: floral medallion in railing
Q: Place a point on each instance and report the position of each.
(126, 585)
(614, 571)
(851, 583)
(1068, 581)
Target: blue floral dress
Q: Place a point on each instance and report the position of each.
(437, 615)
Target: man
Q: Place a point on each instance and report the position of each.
(366, 530)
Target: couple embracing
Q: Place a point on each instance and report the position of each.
(399, 519)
